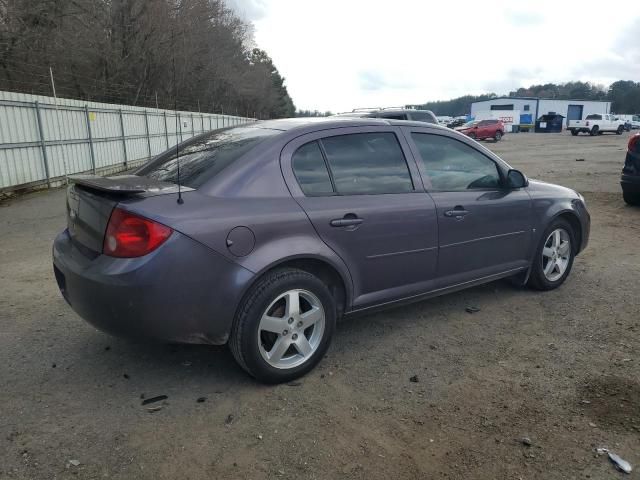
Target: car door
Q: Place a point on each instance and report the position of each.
(367, 203)
(484, 228)
(481, 131)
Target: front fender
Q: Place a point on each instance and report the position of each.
(547, 210)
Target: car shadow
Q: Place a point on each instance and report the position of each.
(208, 369)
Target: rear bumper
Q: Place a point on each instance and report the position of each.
(630, 183)
(182, 292)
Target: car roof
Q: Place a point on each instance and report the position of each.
(322, 123)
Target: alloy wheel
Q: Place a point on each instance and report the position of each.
(556, 254)
(291, 329)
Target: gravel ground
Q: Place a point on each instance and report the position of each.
(560, 368)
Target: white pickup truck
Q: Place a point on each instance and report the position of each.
(595, 124)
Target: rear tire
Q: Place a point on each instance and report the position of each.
(277, 338)
(498, 136)
(553, 259)
(574, 132)
(632, 199)
(594, 131)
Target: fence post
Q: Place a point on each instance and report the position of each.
(124, 140)
(90, 138)
(201, 123)
(180, 126)
(193, 128)
(166, 133)
(43, 146)
(146, 122)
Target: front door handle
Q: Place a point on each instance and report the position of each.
(346, 222)
(458, 212)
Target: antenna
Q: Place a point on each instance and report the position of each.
(175, 109)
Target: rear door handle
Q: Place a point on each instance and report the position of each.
(345, 222)
(457, 212)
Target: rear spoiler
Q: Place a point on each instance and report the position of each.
(125, 184)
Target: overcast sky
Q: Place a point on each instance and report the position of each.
(341, 54)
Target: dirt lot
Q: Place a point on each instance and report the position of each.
(561, 368)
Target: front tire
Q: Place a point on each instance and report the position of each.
(574, 132)
(620, 130)
(554, 256)
(284, 326)
(594, 131)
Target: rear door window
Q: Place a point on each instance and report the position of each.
(205, 156)
(455, 166)
(594, 117)
(367, 163)
(311, 171)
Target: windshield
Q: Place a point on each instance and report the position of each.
(473, 123)
(206, 156)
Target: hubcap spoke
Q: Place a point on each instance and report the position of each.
(303, 346)
(551, 265)
(547, 252)
(293, 304)
(272, 324)
(564, 248)
(279, 349)
(311, 317)
(556, 238)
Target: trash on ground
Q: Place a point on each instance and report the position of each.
(294, 384)
(201, 399)
(126, 375)
(229, 420)
(159, 398)
(579, 159)
(526, 441)
(414, 379)
(154, 409)
(75, 463)
(472, 309)
(618, 461)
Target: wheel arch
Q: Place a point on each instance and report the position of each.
(572, 218)
(337, 280)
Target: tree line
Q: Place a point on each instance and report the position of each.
(197, 53)
(624, 96)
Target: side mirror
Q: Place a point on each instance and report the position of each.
(516, 179)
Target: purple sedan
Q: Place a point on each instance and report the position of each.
(263, 236)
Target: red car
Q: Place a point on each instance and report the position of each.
(482, 129)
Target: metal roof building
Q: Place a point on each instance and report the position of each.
(536, 107)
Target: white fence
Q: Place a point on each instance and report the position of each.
(41, 144)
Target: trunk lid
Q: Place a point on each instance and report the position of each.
(91, 199)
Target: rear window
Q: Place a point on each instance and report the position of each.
(423, 117)
(206, 156)
(392, 116)
(594, 117)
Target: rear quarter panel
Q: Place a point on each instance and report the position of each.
(251, 194)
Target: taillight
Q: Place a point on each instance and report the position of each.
(634, 143)
(130, 235)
